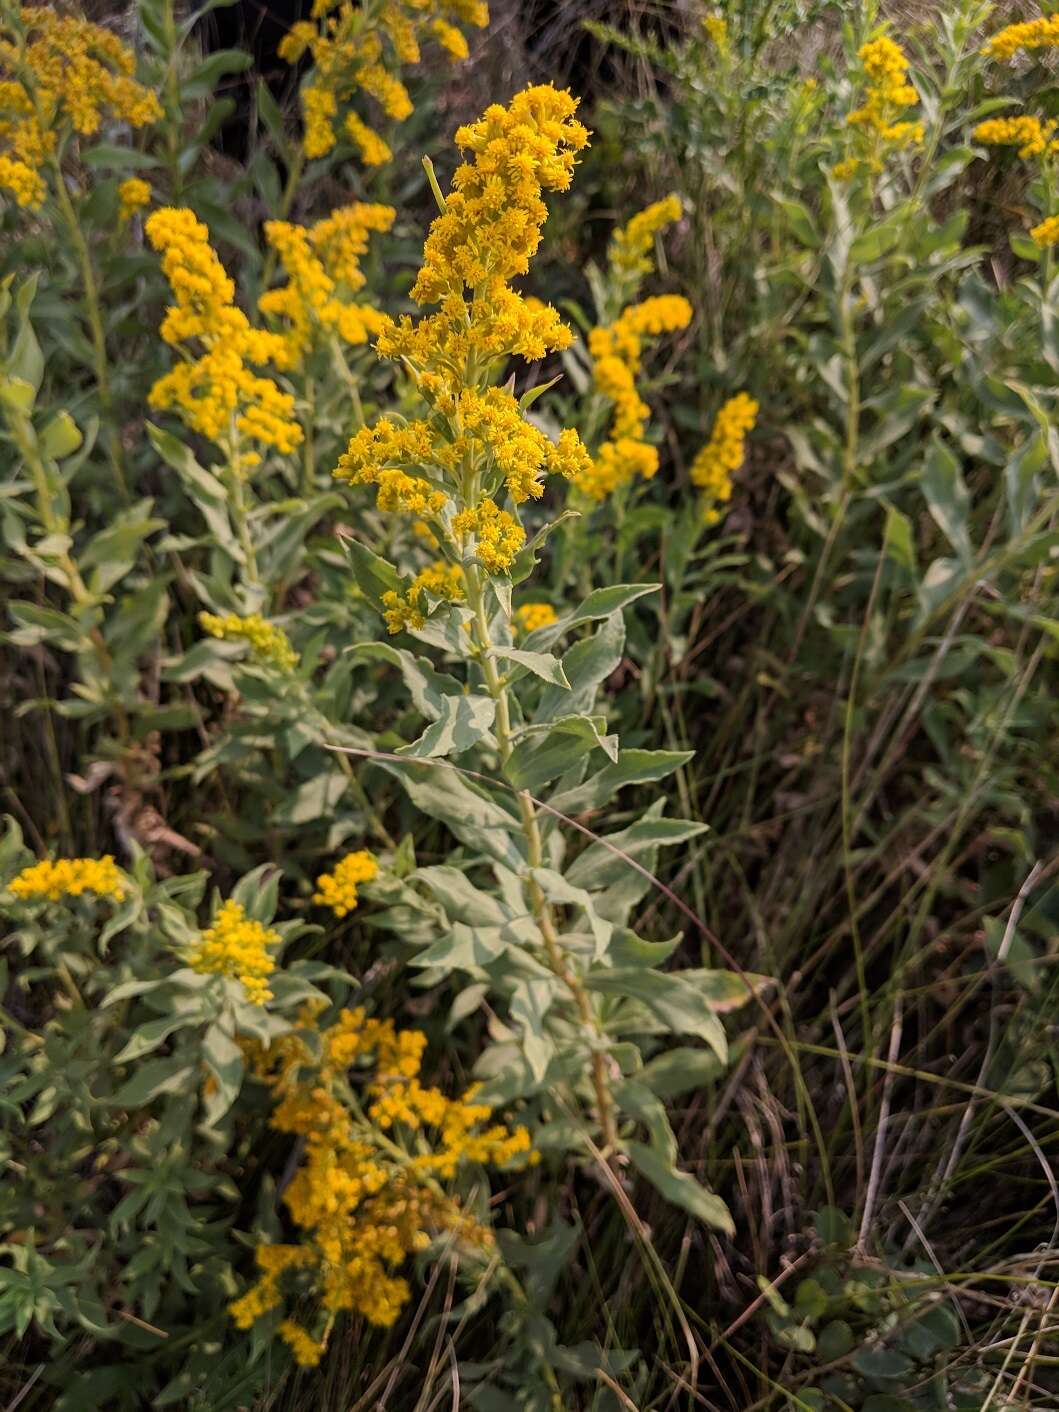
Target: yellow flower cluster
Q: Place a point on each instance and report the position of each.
(1032, 137)
(442, 581)
(531, 616)
(267, 642)
(1046, 234)
(69, 877)
(632, 245)
(716, 26)
(367, 1194)
(617, 353)
(477, 441)
(338, 890)
(354, 52)
(497, 536)
(723, 454)
(1031, 34)
(64, 71)
(237, 946)
(323, 267)
(216, 394)
(133, 196)
(889, 94)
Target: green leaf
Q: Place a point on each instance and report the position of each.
(947, 497)
(269, 113)
(542, 756)
(834, 1340)
(600, 865)
(428, 686)
(374, 576)
(674, 1001)
(681, 1188)
(604, 601)
(476, 820)
(150, 1035)
(462, 722)
(60, 437)
(898, 542)
(541, 664)
(462, 901)
(150, 1080)
(556, 888)
(226, 1063)
(799, 220)
(631, 767)
(679, 1070)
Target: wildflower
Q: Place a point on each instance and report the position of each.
(1031, 34)
(366, 1195)
(1046, 233)
(449, 467)
(723, 454)
(531, 616)
(67, 74)
(350, 57)
(442, 581)
(237, 946)
(320, 260)
(216, 394)
(497, 536)
(617, 355)
(631, 245)
(338, 890)
(888, 94)
(1027, 133)
(133, 195)
(51, 880)
(267, 642)
(716, 26)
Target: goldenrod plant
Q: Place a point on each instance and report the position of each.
(528, 662)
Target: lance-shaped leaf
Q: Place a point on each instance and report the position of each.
(681, 1188)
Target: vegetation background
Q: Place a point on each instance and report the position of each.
(855, 667)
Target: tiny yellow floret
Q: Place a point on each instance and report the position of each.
(52, 880)
(338, 889)
(237, 946)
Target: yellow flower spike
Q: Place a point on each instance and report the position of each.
(133, 196)
(217, 389)
(723, 454)
(889, 93)
(51, 880)
(1027, 133)
(631, 246)
(75, 75)
(238, 947)
(497, 536)
(716, 26)
(338, 889)
(1030, 34)
(267, 642)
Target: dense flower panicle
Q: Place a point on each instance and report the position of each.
(723, 454)
(350, 55)
(237, 946)
(439, 580)
(338, 889)
(531, 616)
(267, 642)
(58, 70)
(1046, 233)
(491, 533)
(617, 353)
(632, 245)
(133, 196)
(323, 268)
(216, 394)
(1030, 34)
(888, 95)
(366, 1195)
(52, 880)
(1032, 137)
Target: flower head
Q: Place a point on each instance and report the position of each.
(237, 946)
(723, 454)
(50, 880)
(338, 889)
(267, 642)
(133, 196)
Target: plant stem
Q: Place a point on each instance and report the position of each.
(95, 324)
(557, 962)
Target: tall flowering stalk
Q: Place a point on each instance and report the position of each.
(475, 446)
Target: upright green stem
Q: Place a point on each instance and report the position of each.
(497, 688)
(242, 528)
(173, 105)
(95, 324)
(309, 444)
